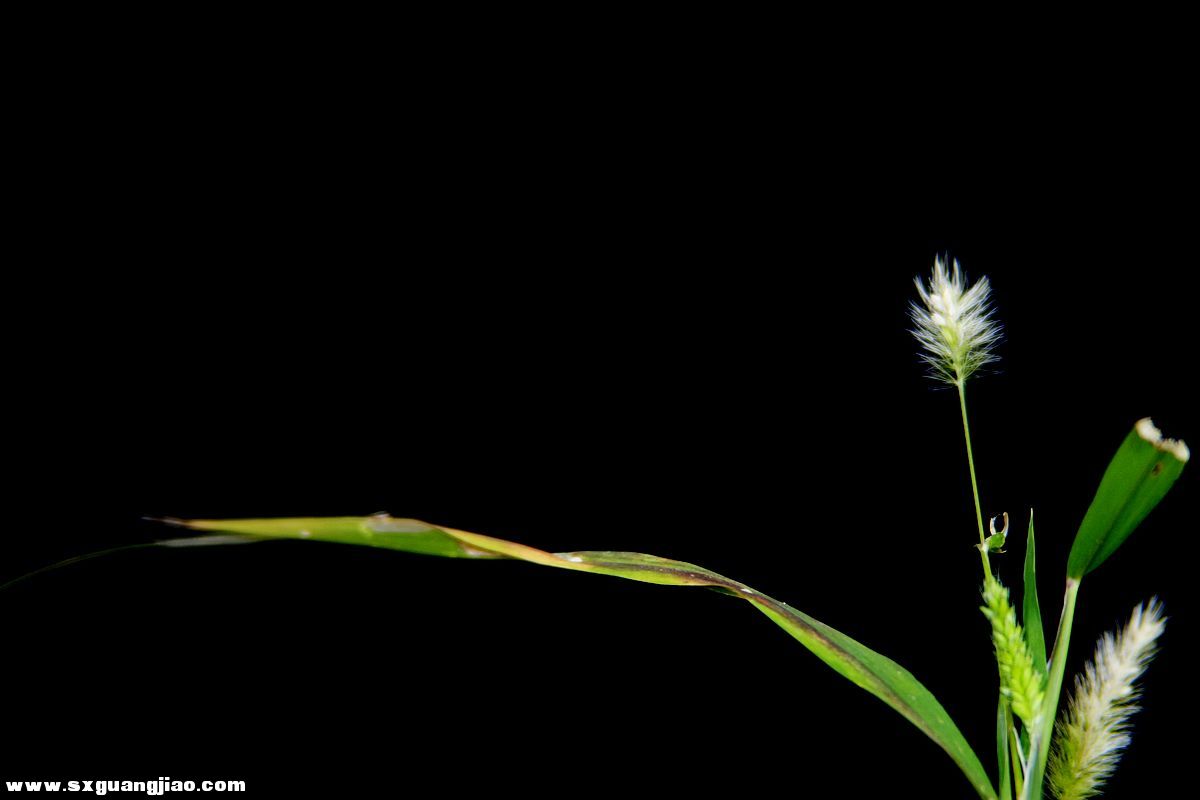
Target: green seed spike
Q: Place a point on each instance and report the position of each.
(1020, 681)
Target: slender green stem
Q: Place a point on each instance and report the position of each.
(1039, 745)
(962, 402)
(1006, 718)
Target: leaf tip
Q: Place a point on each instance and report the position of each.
(174, 522)
(1149, 432)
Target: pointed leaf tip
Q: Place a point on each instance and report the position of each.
(1031, 611)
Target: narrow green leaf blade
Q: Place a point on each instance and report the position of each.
(867, 669)
(885, 679)
(1144, 468)
(1031, 611)
(380, 530)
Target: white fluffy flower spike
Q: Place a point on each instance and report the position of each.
(1094, 729)
(954, 324)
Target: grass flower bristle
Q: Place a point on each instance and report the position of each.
(1094, 729)
(954, 324)
(1020, 681)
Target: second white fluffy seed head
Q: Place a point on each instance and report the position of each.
(1094, 729)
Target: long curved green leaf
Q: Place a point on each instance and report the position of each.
(1137, 478)
(867, 669)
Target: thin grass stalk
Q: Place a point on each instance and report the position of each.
(1039, 745)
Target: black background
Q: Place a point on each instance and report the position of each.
(671, 321)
